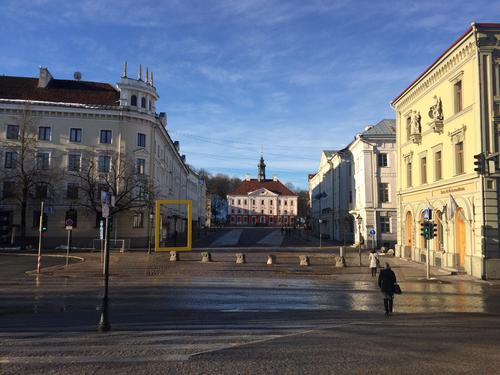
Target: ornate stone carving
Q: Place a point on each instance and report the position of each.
(436, 114)
(415, 127)
(458, 135)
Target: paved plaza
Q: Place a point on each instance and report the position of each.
(222, 317)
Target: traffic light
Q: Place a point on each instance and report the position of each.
(110, 221)
(480, 163)
(427, 230)
(422, 228)
(434, 230)
(45, 222)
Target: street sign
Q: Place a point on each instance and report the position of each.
(69, 222)
(105, 198)
(69, 227)
(427, 214)
(47, 210)
(372, 232)
(105, 211)
(101, 230)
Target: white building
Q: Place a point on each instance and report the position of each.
(262, 201)
(354, 189)
(79, 122)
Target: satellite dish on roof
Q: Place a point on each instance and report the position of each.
(77, 76)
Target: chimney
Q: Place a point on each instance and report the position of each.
(163, 119)
(44, 78)
(183, 157)
(177, 145)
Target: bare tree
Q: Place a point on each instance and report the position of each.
(29, 175)
(120, 176)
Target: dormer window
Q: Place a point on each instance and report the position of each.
(143, 102)
(133, 101)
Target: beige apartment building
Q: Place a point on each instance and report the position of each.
(446, 116)
(78, 127)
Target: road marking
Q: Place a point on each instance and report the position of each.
(273, 239)
(229, 239)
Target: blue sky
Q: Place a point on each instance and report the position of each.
(237, 77)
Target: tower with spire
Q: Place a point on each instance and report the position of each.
(261, 175)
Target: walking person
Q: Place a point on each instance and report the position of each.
(374, 262)
(386, 283)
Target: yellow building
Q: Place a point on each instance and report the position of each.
(449, 114)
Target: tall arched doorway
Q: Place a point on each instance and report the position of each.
(408, 234)
(460, 236)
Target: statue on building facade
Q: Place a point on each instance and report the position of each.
(416, 128)
(436, 111)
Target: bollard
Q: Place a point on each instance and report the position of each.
(240, 258)
(271, 259)
(304, 260)
(174, 256)
(340, 262)
(206, 257)
(341, 252)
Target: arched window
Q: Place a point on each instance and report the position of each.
(133, 100)
(143, 102)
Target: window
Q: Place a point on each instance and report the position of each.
(232, 210)
(408, 128)
(72, 191)
(41, 191)
(44, 133)
(141, 192)
(253, 201)
(263, 202)
(245, 202)
(74, 162)
(270, 203)
(239, 210)
(12, 132)
(286, 203)
(384, 192)
(232, 201)
(382, 160)
(239, 202)
(141, 166)
(141, 140)
(271, 220)
(143, 102)
(104, 164)
(457, 95)
(9, 188)
(459, 158)
(75, 135)
(423, 170)
(138, 220)
(385, 224)
(10, 159)
(43, 160)
(409, 182)
(106, 136)
(270, 212)
(291, 203)
(437, 166)
(133, 100)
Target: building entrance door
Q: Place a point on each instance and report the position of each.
(408, 234)
(460, 236)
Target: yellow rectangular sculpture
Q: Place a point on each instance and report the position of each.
(189, 205)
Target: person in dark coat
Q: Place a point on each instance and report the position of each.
(386, 282)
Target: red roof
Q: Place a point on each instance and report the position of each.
(248, 186)
(477, 25)
(59, 90)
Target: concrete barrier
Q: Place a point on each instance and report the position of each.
(206, 257)
(304, 260)
(240, 258)
(174, 256)
(271, 259)
(340, 262)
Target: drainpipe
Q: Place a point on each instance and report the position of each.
(482, 140)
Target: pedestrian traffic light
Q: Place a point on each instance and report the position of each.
(427, 230)
(45, 222)
(480, 163)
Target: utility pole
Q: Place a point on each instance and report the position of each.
(40, 224)
(104, 325)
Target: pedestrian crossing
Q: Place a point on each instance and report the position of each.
(275, 238)
(178, 344)
(230, 238)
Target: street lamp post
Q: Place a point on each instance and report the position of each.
(150, 226)
(359, 220)
(320, 221)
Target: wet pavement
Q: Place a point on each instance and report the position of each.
(178, 312)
